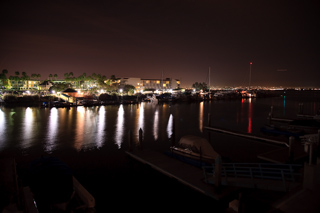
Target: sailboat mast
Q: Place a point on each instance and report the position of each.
(162, 80)
(250, 75)
(209, 79)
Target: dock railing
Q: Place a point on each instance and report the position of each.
(255, 175)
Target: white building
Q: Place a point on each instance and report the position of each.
(140, 84)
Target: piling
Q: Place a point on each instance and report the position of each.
(209, 125)
(130, 140)
(217, 172)
(300, 108)
(140, 137)
(310, 153)
(291, 143)
(270, 114)
(173, 136)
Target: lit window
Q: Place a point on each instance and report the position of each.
(167, 82)
(164, 85)
(158, 82)
(148, 82)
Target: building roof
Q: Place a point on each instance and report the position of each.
(69, 90)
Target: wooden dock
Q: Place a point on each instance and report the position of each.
(187, 174)
(282, 155)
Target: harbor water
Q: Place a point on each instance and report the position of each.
(92, 141)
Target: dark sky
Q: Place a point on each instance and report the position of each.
(182, 39)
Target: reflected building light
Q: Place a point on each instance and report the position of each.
(81, 109)
(120, 126)
(52, 130)
(89, 129)
(156, 125)
(101, 127)
(141, 118)
(80, 126)
(170, 126)
(3, 127)
(27, 128)
(201, 116)
(249, 116)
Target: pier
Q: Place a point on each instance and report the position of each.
(187, 174)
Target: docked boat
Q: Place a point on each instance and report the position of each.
(248, 94)
(196, 148)
(296, 128)
(53, 188)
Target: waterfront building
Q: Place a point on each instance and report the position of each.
(44, 86)
(142, 84)
(31, 84)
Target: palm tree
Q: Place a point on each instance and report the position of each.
(55, 76)
(3, 77)
(25, 78)
(66, 75)
(50, 77)
(17, 73)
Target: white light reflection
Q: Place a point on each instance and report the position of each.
(52, 130)
(120, 126)
(140, 120)
(201, 116)
(3, 127)
(156, 125)
(170, 126)
(27, 128)
(101, 126)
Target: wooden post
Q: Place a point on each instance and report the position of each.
(318, 136)
(130, 140)
(140, 138)
(310, 153)
(209, 125)
(291, 142)
(217, 171)
(300, 108)
(270, 114)
(173, 136)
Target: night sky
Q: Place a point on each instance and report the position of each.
(182, 39)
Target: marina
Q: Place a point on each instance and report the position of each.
(94, 142)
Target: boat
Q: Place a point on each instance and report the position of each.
(53, 188)
(195, 148)
(248, 94)
(296, 128)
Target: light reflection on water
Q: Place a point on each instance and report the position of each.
(156, 125)
(27, 129)
(246, 113)
(140, 116)
(201, 117)
(101, 133)
(119, 126)
(50, 143)
(170, 126)
(80, 127)
(87, 128)
(2, 127)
